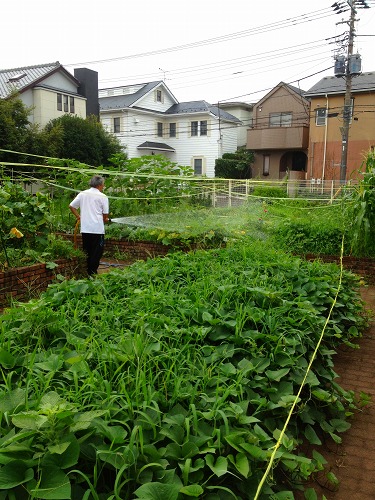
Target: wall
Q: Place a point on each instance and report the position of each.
(24, 283)
(325, 140)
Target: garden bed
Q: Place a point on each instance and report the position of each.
(27, 282)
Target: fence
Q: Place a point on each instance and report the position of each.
(233, 192)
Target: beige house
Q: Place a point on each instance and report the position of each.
(279, 134)
(327, 103)
(50, 90)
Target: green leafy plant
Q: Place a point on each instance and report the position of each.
(361, 211)
(173, 378)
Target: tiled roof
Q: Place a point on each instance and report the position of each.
(21, 78)
(333, 85)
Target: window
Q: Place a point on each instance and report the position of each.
(203, 130)
(160, 129)
(116, 125)
(194, 128)
(71, 104)
(172, 130)
(281, 119)
(159, 96)
(198, 166)
(66, 103)
(59, 102)
(198, 128)
(320, 116)
(266, 164)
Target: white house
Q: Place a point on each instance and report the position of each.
(50, 90)
(148, 119)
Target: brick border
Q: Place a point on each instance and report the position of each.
(24, 283)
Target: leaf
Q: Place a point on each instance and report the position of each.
(193, 490)
(158, 491)
(242, 464)
(14, 473)
(283, 495)
(7, 360)
(255, 451)
(340, 425)
(83, 420)
(277, 374)
(12, 399)
(63, 459)
(220, 467)
(30, 420)
(310, 494)
(51, 265)
(311, 435)
(54, 485)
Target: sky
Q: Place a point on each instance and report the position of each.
(213, 50)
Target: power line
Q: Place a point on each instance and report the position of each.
(301, 19)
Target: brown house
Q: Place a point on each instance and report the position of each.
(326, 120)
(279, 134)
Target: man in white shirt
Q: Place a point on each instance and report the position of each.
(93, 213)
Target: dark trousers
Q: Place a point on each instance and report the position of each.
(93, 246)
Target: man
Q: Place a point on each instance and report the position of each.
(93, 213)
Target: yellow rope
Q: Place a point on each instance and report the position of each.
(260, 486)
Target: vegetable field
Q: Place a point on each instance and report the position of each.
(196, 375)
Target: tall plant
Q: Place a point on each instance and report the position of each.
(362, 212)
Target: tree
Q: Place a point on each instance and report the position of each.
(17, 133)
(14, 127)
(84, 140)
(235, 165)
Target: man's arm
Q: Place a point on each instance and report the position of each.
(105, 218)
(75, 212)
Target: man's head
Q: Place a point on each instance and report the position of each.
(97, 181)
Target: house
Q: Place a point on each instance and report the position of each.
(327, 103)
(244, 112)
(279, 134)
(51, 91)
(148, 119)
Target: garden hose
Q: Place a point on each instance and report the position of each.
(75, 234)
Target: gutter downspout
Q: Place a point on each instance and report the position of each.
(325, 143)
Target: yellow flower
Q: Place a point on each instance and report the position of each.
(15, 232)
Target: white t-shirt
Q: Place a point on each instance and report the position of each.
(92, 204)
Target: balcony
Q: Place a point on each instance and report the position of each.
(294, 137)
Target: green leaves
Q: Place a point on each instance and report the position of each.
(14, 473)
(174, 376)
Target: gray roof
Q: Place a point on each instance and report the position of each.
(126, 100)
(21, 79)
(200, 107)
(161, 146)
(333, 85)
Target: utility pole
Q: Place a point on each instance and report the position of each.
(347, 113)
(348, 67)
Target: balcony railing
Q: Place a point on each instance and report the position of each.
(294, 137)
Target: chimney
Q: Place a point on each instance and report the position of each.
(89, 88)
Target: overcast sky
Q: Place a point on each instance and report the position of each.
(214, 50)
